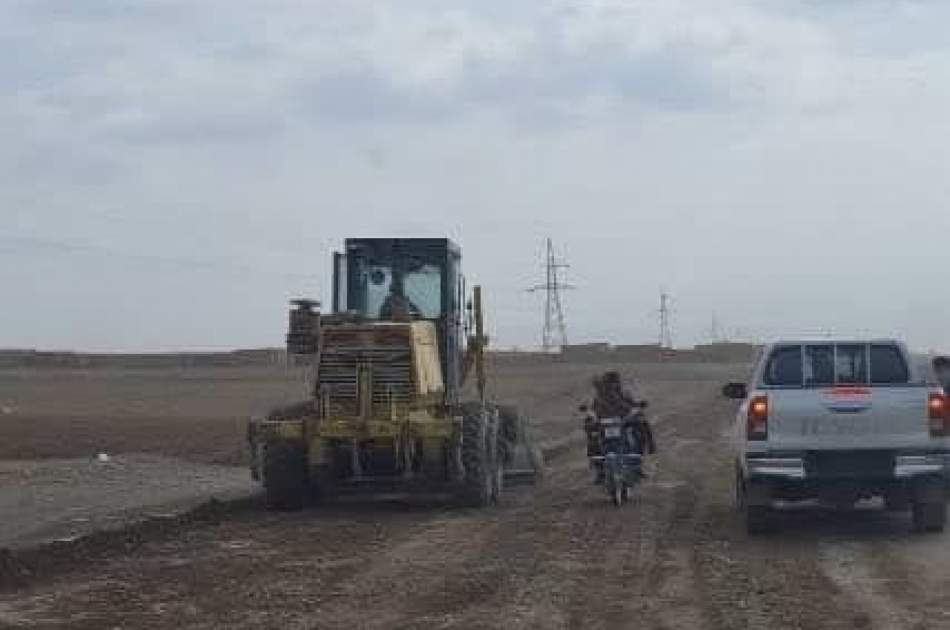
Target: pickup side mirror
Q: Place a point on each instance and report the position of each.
(582, 408)
(643, 404)
(735, 391)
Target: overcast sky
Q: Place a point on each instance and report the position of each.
(172, 171)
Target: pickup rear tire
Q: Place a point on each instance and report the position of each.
(929, 509)
(758, 519)
(896, 501)
(753, 501)
(930, 517)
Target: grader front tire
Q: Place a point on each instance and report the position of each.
(480, 487)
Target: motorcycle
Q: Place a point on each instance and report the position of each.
(619, 462)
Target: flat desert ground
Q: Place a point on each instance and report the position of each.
(131, 542)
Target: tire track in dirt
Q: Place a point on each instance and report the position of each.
(899, 577)
(563, 557)
(846, 564)
(765, 581)
(276, 567)
(560, 556)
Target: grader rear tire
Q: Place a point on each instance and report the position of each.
(479, 484)
(285, 476)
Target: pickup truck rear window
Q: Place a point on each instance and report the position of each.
(819, 365)
(851, 364)
(824, 365)
(784, 368)
(888, 365)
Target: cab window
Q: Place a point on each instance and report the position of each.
(819, 365)
(888, 366)
(784, 368)
(851, 364)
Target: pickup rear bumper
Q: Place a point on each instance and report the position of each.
(782, 467)
(916, 465)
(814, 466)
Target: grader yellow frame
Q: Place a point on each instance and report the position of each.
(386, 410)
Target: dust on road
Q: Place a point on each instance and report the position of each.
(560, 556)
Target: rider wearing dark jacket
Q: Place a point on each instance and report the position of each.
(613, 400)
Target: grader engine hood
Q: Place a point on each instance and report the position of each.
(378, 370)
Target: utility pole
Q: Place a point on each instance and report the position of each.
(666, 326)
(553, 309)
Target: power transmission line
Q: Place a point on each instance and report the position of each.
(554, 324)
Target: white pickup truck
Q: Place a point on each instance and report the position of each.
(839, 422)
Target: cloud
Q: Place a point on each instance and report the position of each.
(662, 139)
(373, 63)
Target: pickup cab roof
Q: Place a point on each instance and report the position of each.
(824, 341)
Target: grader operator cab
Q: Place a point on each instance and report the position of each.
(390, 364)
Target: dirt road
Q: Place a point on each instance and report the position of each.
(557, 557)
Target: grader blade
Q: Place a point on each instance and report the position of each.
(524, 462)
(525, 466)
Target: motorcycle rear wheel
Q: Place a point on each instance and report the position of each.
(617, 494)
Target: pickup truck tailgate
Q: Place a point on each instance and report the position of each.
(851, 417)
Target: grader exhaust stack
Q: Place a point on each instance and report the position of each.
(390, 364)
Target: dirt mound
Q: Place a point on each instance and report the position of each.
(19, 568)
(67, 498)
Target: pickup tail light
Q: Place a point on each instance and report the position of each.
(938, 414)
(757, 427)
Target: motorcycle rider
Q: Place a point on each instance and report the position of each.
(613, 400)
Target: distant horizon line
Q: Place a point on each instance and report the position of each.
(11, 350)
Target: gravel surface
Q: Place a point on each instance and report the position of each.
(556, 556)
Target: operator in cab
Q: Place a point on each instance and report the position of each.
(397, 307)
(612, 399)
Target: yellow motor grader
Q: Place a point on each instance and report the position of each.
(389, 367)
